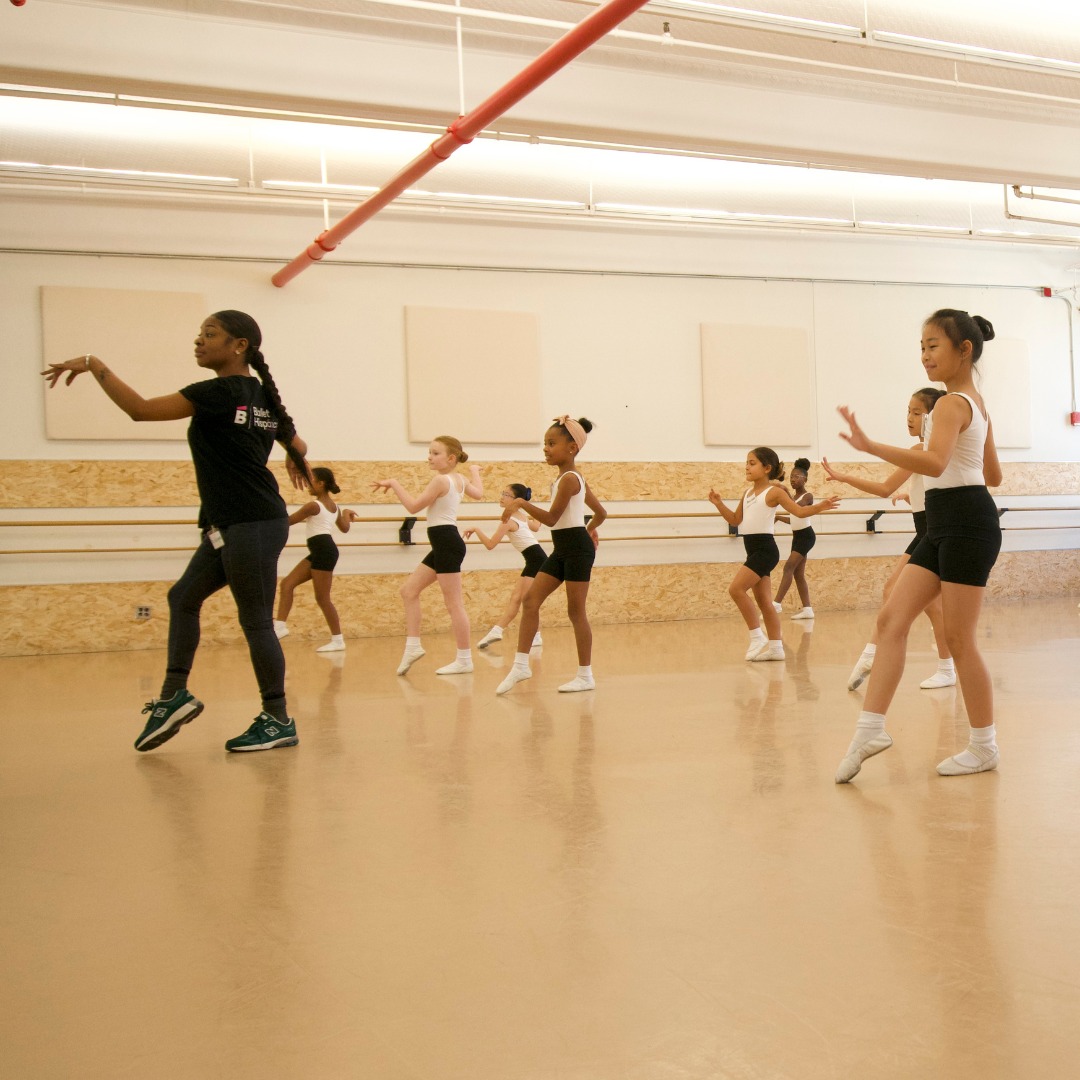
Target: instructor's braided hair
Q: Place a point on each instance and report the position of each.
(239, 324)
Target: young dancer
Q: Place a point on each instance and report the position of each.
(919, 408)
(573, 555)
(235, 419)
(319, 516)
(803, 538)
(955, 556)
(519, 529)
(441, 498)
(751, 588)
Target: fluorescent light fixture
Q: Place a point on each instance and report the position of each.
(510, 200)
(981, 52)
(426, 196)
(87, 171)
(320, 189)
(714, 215)
(910, 225)
(759, 18)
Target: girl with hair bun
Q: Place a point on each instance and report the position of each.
(235, 420)
(519, 529)
(919, 408)
(954, 558)
(441, 498)
(319, 516)
(803, 539)
(572, 559)
(751, 587)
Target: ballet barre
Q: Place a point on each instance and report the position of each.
(405, 526)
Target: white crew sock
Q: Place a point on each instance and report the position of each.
(757, 634)
(412, 643)
(982, 737)
(870, 724)
(464, 654)
(521, 660)
(870, 651)
(584, 671)
(947, 666)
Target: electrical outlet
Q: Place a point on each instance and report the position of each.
(142, 613)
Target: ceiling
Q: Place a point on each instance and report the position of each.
(879, 117)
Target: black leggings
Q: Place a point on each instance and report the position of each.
(248, 564)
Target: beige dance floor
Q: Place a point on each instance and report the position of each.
(655, 881)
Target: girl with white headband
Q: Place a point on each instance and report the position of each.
(572, 558)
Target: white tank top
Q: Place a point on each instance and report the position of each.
(522, 537)
(798, 523)
(965, 468)
(322, 523)
(757, 516)
(443, 511)
(573, 517)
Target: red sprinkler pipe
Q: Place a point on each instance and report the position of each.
(465, 128)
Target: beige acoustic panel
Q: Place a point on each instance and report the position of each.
(1005, 382)
(756, 385)
(144, 337)
(472, 374)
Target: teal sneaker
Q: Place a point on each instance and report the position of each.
(265, 733)
(167, 717)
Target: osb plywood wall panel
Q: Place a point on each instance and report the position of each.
(75, 484)
(100, 617)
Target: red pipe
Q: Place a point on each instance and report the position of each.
(465, 128)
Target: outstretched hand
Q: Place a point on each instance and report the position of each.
(714, 498)
(856, 438)
(831, 503)
(468, 534)
(382, 485)
(830, 472)
(72, 367)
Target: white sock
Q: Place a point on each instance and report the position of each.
(337, 639)
(777, 643)
(279, 624)
(464, 654)
(870, 725)
(584, 671)
(412, 643)
(521, 660)
(870, 651)
(982, 737)
(947, 667)
(757, 634)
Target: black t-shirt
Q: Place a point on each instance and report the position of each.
(230, 436)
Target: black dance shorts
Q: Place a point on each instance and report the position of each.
(535, 557)
(920, 531)
(573, 557)
(802, 540)
(322, 552)
(963, 535)
(447, 550)
(762, 554)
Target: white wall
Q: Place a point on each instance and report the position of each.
(621, 347)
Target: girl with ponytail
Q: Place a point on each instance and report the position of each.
(235, 420)
(954, 558)
(519, 528)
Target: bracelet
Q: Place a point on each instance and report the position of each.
(87, 360)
